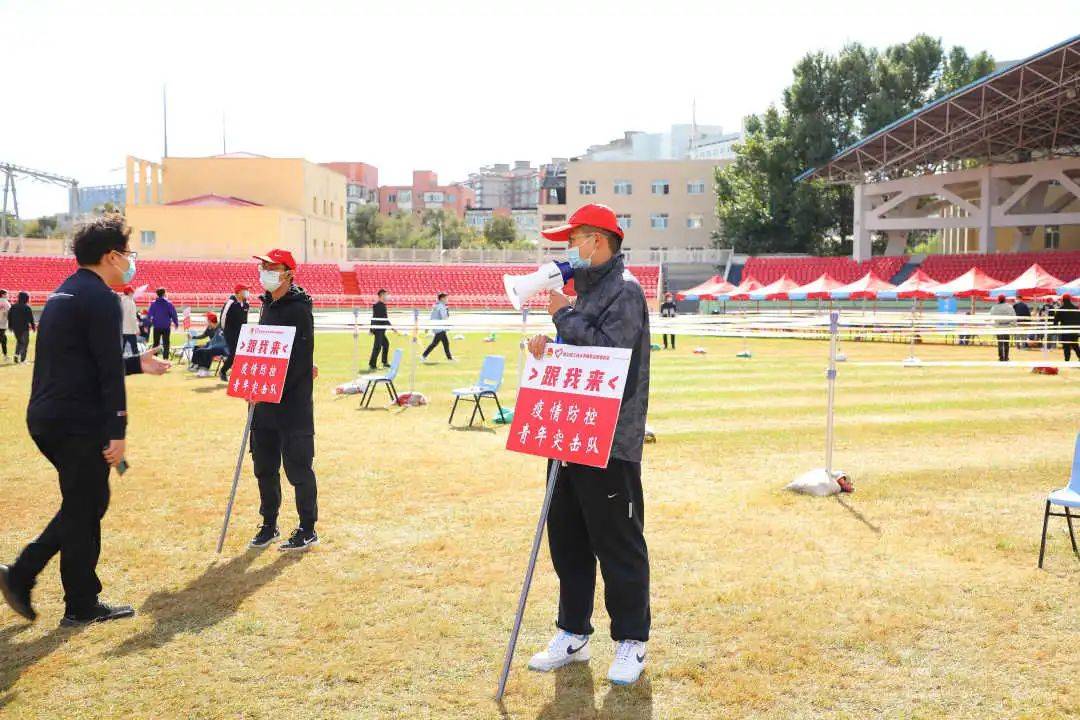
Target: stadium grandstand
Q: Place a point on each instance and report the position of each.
(205, 283)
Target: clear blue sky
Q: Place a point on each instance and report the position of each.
(448, 87)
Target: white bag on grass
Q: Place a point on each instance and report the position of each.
(816, 482)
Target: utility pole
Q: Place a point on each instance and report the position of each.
(164, 123)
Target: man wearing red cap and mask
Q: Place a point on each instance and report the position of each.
(598, 514)
(284, 433)
(234, 315)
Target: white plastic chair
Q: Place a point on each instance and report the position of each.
(1067, 497)
(386, 379)
(487, 385)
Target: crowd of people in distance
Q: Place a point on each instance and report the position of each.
(1062, 314)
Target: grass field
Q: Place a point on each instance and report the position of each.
(917, 597)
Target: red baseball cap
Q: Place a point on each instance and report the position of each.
(594, 214)
(128, 290)
(211, 317)
(277, 256)
(239, 288)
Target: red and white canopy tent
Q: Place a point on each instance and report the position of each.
(919, 286)
(819, 289)
(708, 290)
(865, 288)
(1072, 288)
(742, 292)
(1032, 282)
(776, 290)
(973, 284)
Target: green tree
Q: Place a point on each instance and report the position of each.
(14, 227)
(364, 224)
(402, 230)
(832, 102)
(456, 233)
(501, 232)
(40, 228)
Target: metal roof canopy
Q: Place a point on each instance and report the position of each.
(1028, 109)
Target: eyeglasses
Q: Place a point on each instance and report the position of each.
(128, 253)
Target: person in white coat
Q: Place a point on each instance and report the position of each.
(129, 321)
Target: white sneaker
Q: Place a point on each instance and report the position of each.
(628, 664)
(203, 373)
(563, 649)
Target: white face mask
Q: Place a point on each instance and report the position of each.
(270, 279)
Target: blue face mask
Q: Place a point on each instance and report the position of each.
(130, 272)
(573, 256)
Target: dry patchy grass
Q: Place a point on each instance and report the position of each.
(917, 597)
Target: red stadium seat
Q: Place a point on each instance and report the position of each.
(207, 283)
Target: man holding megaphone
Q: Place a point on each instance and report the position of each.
(597, 514)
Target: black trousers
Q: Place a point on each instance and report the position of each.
(599, 514)
(3, 341)
(75, 530)
(226, 364)
(203, 357)
(672, 341)
(1071, 345)
(272, 448)
(161, 338)
(382, 345)
(131, 343)
(1003, 348)
(440, 337)
(22, 344)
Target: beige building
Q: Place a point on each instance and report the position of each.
(669, 204)
(233, 206)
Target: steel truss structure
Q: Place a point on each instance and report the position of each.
(1027, 110)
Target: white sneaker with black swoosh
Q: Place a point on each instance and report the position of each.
(628, 664)
(563, 649)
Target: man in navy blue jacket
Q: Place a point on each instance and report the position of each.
(78, 418)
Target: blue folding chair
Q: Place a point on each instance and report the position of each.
(386, 379)
(487, 385)
(1066, 497)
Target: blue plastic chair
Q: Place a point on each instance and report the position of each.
(1066, 497)
(487, 385)
(386, 379)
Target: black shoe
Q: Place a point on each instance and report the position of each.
(19, 600)
(223, 376)
(99, 613)
(301, 539)
(266, 535)
(386, 365)
(372, 368)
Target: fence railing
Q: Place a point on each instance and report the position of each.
(639, 256)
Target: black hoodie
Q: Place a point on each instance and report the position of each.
(295, 413)
(21, 316)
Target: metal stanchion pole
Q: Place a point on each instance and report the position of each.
(834, 334)
(356, 339)
(553, 474)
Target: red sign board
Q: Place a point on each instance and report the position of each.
(262, 359)
(568, 404)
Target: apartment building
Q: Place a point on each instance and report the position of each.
(660, 204)
(361, 183)
(425, 193)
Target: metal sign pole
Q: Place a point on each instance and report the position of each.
(236, 476)
(553, 475)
